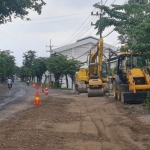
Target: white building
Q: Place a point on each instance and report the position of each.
(79, 51)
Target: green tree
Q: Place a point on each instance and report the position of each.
(8, 62)
(2, 68)
(60, 66)
(17, 71)
(73, 66)
(18, 9)
(131, 21)
(39, 67)
(24, 72)
(28, 60)
(56, 64)
(29, 57)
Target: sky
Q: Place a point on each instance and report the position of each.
(62, 21)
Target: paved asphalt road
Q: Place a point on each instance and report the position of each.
(20, 97)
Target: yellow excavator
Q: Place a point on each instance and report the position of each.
(132, 81)
(84, 75)
(97, 71)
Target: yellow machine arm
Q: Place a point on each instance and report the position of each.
(100, 58)
(95, 61)
(96, 85)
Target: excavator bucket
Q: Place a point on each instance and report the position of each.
(133, 98)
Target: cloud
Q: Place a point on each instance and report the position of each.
(59, 20)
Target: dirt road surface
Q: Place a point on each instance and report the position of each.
(66, 121)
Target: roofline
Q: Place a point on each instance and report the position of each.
(87, 38)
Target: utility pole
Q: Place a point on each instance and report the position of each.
(100, 16)
(50, 46)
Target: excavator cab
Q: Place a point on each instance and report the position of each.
(104, 71)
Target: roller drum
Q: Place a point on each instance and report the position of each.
(95, 92)
(80, 87)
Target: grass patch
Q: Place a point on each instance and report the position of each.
(146, 104)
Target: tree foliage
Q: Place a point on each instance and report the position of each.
(29, 57)
(59, 65)
(18, 9)
(39, 67)
(27, 68)
(131, 21)
(33, 66)
(7, 61)
(56, 64)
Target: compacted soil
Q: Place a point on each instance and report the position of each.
(68, 121)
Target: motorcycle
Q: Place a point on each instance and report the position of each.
(9, 85)
(28, 83)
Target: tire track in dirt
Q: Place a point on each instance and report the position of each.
(107, 123)
(111, 126)
(115, 131)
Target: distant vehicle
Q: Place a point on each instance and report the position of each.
(28, 82)
(9, 85)
(18, 79)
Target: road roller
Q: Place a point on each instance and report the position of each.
(81, 83)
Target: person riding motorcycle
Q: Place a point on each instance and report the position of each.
(28, 81)
(9, 81)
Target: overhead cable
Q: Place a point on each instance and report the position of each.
(51, 21)
(76, 31)
(82, 31)
(108, 33)
(105, 2)
(53, 17)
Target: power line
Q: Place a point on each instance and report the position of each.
(75, 37)
(87, 51)
(76, 31)
(53, 17)
(82, 54)
(113, 2)
(52, 21)
(105, 2)
(87, 29)
(108, 33)
(83, 31)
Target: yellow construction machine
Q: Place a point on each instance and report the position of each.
(93, 79)
(132, 81)
(97, 71)
(81, 84)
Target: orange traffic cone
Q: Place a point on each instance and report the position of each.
(46, 91)
(37, 99)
